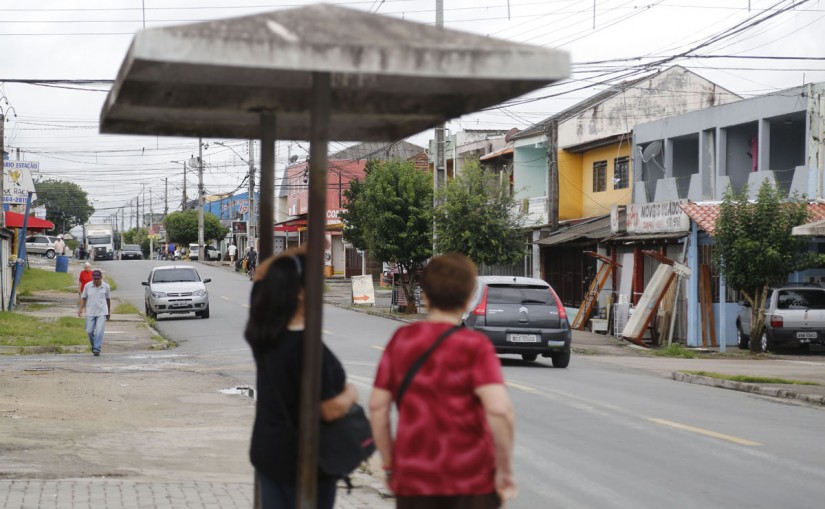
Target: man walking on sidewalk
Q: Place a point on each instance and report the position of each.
(96, 301)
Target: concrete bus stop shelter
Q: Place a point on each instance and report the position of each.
(316, 73)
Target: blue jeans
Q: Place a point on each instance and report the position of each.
(94, 328)
(281, 495)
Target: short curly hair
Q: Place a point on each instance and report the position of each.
(448, 281)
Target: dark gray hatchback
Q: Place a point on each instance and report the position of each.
(521, 316)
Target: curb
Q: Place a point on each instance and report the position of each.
(748, 387)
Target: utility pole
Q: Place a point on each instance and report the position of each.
(2, 189)
(439, 165)
(151, 209)
(142, 217)
(250, 236)
(551, 132)
(184, 199)
(165, 196)
(200, 197)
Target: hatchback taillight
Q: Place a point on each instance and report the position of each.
(777, 321)
(559, 305)
(481, 308)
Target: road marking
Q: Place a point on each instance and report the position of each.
(224, 297)
(245, 305)
(524, 388)
(378, 347)
(706, 432)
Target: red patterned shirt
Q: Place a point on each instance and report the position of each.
(443, 445)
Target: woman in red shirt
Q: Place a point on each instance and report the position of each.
(85, 277)
(453, 445)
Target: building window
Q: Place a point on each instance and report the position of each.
(599, 176)
(621, 172)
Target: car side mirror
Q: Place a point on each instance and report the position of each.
(145, 283)
(744, 303)
(207, 280)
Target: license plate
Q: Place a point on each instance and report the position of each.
(179, 305)
(523, 338)
(806, 335)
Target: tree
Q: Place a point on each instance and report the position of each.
(390, 213)
(139, 236)
(67, 205)
(182, 227)
(754, 248)
(477, 216)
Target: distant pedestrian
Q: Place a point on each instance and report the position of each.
(232, 250)
(85, 277)
(96, 302)
(251, 262)
(59, 246)
(453, 444)
(170, 249)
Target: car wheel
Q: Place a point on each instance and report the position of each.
(50, 254)
(561, 359)
(742, 341)
(766, 345)
(529, 357)
(149, 312)
(204, 313)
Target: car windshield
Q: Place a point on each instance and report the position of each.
(100, 240)
(519, 295)
(131, 247)
(801, 299)
(176, 276)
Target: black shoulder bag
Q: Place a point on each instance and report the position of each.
(405, 383)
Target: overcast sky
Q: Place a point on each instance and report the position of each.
(609, 40)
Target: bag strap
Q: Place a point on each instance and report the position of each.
(405, 383)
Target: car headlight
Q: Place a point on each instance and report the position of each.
(199, 293)
(159, 295)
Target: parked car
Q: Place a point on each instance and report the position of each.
(522, 316)
(794, 317)
(41, 245)
(176, 289)
(212, 253)
(131, 252)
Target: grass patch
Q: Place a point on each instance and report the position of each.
(124, 308)
(750, 379)
(39, 280)
(675, 350)
(22, 330)
(35, 306)
(111, 283)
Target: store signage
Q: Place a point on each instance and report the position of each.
(17, 181)
(658, 217)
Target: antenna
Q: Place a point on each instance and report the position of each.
(651, 151)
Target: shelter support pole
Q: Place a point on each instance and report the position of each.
(314, 284)
(266, 221)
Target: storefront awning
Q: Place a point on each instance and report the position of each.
(593, 230)
(15, 220)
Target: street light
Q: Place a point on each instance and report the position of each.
(199, 163)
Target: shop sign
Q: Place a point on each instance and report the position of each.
(658, 217)
(17, 181)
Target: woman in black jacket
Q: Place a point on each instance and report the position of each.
(275, 332)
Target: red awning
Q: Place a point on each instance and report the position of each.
(290, 226)
(15, 220)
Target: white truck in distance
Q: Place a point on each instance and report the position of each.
(99, 240)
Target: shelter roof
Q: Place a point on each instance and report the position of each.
(592, 229)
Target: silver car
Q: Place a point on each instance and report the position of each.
(521, 315)
(176, 289)
(794, 317)
(41, 244)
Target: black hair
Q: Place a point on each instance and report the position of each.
(274, 298)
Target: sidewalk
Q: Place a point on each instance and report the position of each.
(141, 426)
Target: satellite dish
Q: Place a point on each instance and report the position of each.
(509, 136)
(293, 159)
(651, 151)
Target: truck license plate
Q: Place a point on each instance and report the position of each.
(523, 338)
(806, 335)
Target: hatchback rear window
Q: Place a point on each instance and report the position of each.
(520, 295)
(801, 299)
(176, 276)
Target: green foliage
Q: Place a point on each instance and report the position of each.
(67, 204)
(754, 248)
(182, 227)
(675, 350)
(751, 379)
(477, 216)
(24, 330)
(390, 213)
